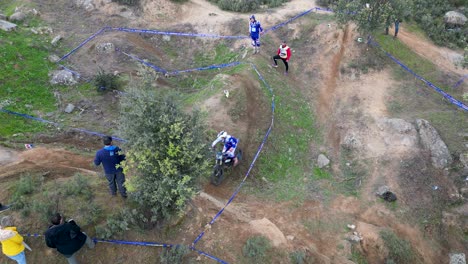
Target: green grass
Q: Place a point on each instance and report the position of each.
(24, 80)
(285, 161)
(219, 55)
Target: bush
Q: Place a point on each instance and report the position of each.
(127, 2)
(256, 248)
(167, 152)
(174, 255)
(298, 257)
(399, 250)
(246, 5)
(78, 186)
(27, 184)
(106, 81)
(119, 222)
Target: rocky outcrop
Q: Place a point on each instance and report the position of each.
(455, 18)
(432, 142)
(17, 17)
(7, 26)
(62, 77)
(322, 161)
(398, 132)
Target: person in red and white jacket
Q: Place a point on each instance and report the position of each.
(284, 53)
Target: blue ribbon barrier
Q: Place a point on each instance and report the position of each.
(156, 68)
(134, 243)
(57, 124)
(290, 20)
(428, 83)
(208, 256)
(211, 67)
(157, 32)
(83, 43)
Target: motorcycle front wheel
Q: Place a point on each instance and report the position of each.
(217, 176)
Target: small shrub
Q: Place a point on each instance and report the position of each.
(106, 81)
(78, 186)
(256, 248)
(399, 250)
(246, 5)
(174, 255)
(297, 257)
(127, 2)
(26, 185)
(120, 222)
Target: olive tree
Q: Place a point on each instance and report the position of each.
(371, 15)
(166, 150)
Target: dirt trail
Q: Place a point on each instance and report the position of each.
(442, 57)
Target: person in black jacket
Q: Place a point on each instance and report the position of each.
(66, 237)
(110, 156)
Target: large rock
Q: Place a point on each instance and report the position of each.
(86, 4)
(455, 18)
(7, 26)
(266, 228)
(17, 17)
(432, 142)
(62, 77)
(322, 161)
(457, 258)
(398, 132)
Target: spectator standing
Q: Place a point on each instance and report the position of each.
(397, 27)
(12, 243)
(110, 156)
(66, 237)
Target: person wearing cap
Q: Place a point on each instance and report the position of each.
(230, 145)
(66, 237)
(110, 156)
(12, 243)
(283, 53)
(255, 31)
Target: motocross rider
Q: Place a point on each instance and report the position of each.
(230, 145)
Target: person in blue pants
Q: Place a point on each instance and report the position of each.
(110, 156)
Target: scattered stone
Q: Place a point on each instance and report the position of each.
(166, 38)
(56, 40)
(28, 106)
(290, 237)
(464, 159)
(62, 77)
(17, 17)
(212, 14)
(352, 227)
(322, 161)
(432, 142)
(69, 108)
(42, 30)
(351, 141)
(53, 58)
(7, 26)
(86, 4)
(455, 18)
(457, 258)
(3, 16)
(34, 31)
(354, 238)
(105, 47)
(385, 193)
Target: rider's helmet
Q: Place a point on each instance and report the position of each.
(223, 134)
(252, 17)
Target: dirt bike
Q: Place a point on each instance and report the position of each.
(222, 163)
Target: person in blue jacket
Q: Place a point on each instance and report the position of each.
(255, 31)
(110, 156)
